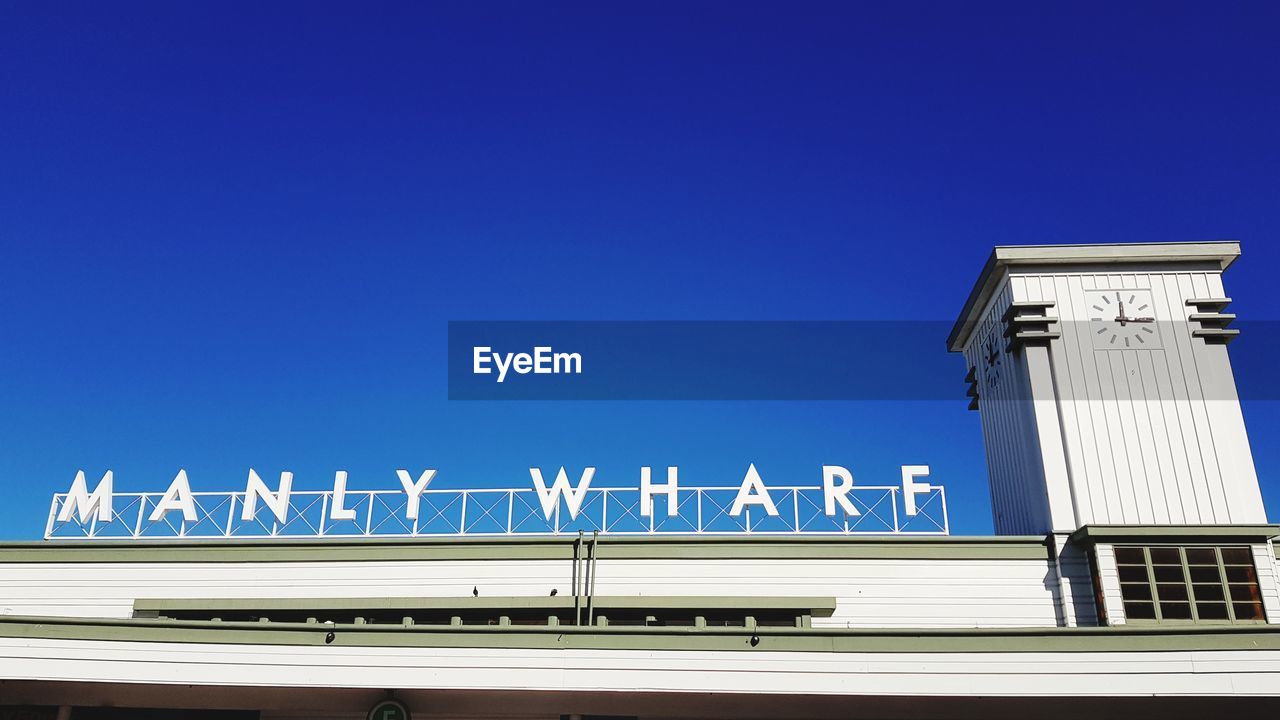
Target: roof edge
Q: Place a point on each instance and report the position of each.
(1090, 534)
(1220, 252)
(544, 548)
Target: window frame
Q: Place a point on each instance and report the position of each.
(1189, 583)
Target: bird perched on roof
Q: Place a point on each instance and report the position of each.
(553, 592)
(475, 591)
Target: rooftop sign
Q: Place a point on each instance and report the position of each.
(837, 506)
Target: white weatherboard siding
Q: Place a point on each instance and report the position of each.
(869, 593)
(908, 674)
(109, 589)
(1075, 578)
(1264, 559)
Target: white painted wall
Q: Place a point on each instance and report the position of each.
(1146, 436)
(870, 593)
(1109, 576)
(1109, 674)
(1019, 504)
(1264, 559)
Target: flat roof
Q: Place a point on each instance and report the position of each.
(1219, 252)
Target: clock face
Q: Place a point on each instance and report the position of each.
(1122, 319)
(992, 357)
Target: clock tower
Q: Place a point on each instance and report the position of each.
(1103, 380)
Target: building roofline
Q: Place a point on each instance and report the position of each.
(1219, 252)
(727, 547)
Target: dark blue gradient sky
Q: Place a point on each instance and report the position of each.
(233, 234)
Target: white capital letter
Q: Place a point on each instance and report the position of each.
(541, 360)
(278, 502)
(550, 498)
(478, 364)
(753, 492)
(648, 490)
(414, 490)
(833, 493)
(338, 509)
(177, 497)
(79, 498)
(911, 488)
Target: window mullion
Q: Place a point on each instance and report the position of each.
(1186, 580)
(1226, 588)
(1151, 582)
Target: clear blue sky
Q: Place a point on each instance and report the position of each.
(233, 234)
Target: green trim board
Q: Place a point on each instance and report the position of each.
(546, 548)
(1174, 534)
(823, 606)
(766, 639)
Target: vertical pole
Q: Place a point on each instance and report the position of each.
(946, 521)
(795, 505)
(462, 524)
(577, 596)
(142, 512)
(604, 511)
(699, 510)
(53, 512)
(511, 509)
(591, 578)
(893, 500)
(368, 517)
(231, 514)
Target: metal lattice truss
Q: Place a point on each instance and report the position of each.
(505, 512)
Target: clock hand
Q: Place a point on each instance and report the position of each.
(1121, 318)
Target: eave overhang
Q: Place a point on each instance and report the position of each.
(1217, 253)
(1174, 534)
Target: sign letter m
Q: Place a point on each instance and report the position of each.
(78, 498)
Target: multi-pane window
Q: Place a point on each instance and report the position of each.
(1189, 584)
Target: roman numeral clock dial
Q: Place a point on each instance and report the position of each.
(1122, 319)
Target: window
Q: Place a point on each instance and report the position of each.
(1189, 584)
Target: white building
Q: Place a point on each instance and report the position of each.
(1133, 573)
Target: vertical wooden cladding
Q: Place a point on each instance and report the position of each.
(1014, 466)
(1151, 436)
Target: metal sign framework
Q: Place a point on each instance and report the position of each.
(510, 512)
